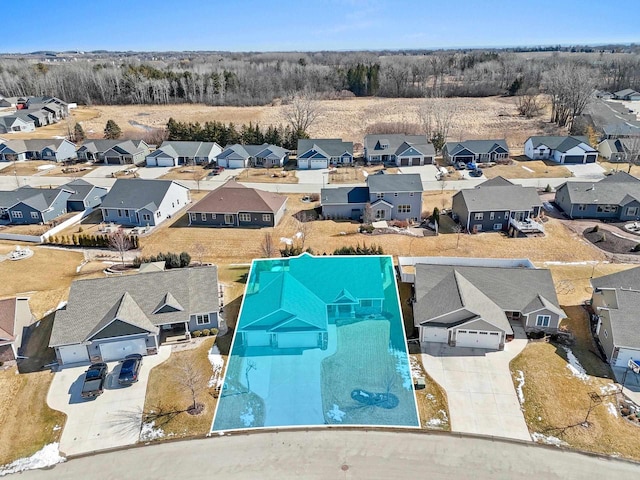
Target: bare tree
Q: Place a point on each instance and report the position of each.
(436, 117)
(631, 148)
(457, 229)
(199, 251)
(120, 242)
(267, 246)
(303, 230)
(302, 112)
(528, 105)
(570, 88)
(196, 175)
(193, 381)
(367, 216)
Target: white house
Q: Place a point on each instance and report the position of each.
(174, 153)
(568, 150)
(322, 153)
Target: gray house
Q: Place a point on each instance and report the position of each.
(54, 149)
(390, 197)
(114, 152)
(629, 128)
(620, 149)
(109, 318)
(475, 151)
(627, 94)
(397, 149)
(174, 153)
(314, 153)
(30, 206)
(242, 156)
(15, 315)
(498, 205)
(616, 197)
(85, 195)
(478, 307)
(234, 205)
(616, 302)
(560, 149)
(141, 202)
(14, 123)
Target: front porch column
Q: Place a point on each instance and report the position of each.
(187, 333)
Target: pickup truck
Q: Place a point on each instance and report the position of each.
(94, 379)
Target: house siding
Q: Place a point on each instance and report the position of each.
(214, 322)
(591, 210)
(530, 322)
(403, 198)
(218, 220)
(65, 151)
(459, 208)
(486, 224)
(343, 211)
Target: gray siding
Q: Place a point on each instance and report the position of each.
(218, 220)
(213, 322)
(57, 208)
(486, 224)
(413, 199)
(587, 210)
(350, 211)
(554, 321)
(459, 208)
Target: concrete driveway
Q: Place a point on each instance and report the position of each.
(111, 420)
(427, 172)
(153, 172)
(586, 170)
(482, 398)
(103, 171)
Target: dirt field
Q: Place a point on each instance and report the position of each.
(492, 117)
(527, 169)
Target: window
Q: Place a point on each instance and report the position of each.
(497, 226)
(478, 216)
(582, 207)
(492, 215)
(119, 212)
(543, 320)
(158, 214)
(244, 217)
(380, 214)
(395, 194)
(16, 214)
(35, 215)
(632, 211)
(193, 216)
(411, 194)
(266, 217)
(366, 303)
(379, 195)
(146, 217)
(607, 208)
(228, 219)
(213, 216)
(203, 217)
(404, 208)
(201, 319)
(126, 213)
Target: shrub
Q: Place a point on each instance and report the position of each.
(314, 197)
(636, 248)
(366, 228)
(205, 332)
(196, 333)
(214, 331)
(595, 228)
(548, 188)
(80, 229)
(185, 259)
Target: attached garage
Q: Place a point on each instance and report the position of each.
(434, 334)
(573, 159)
(404, 162)
(415, 161)
(73, 354)
(235, 164)
(165, 162)
(118, 350)
(298, 340)
(624, 355)
(112, 160)
(463, 158)
(257, 339)
(592, 157)
(315, 164)
(478, 339)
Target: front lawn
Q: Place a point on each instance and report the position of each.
(432, 400)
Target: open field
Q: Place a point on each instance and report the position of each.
(26, 422)
(267, 175)
(26, 168)
(62, 129)
(527, 169)
(491, 117)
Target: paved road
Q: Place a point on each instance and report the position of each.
(344, 454)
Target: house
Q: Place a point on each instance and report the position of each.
(84, 195)
(243, 156)
(616, 197)
(498, 205)
(616, 301)
(466, 304)
(41, 118)
(234, 205)
(627, 94)
(314, 153)
(8, 102)
(108, 318)
(630, 128)
(174, 153)
(29, 205)
(15, 315)
(293, 306)
(141, 202)
(620, 149)
(475, 151)
(390, 197)
(15, 123)
(560, 149)
(114, 152)
(54, 149)
(399, 150)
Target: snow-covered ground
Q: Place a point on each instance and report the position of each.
(520, 379)
(48, 456)
(574, 365)
(217, 364)
(149, 432)
(548, 439)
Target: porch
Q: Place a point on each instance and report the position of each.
(526, 226)
(174, 333)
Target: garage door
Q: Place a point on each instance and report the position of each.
(112, 160)
(624, 354)
(297, 340)
(573, 159)
(404, 162)
(165, 162)
(257, 339)
(478, 339)
(119, 350)
(73, 354)
(434, 334)
(591, 158)
(236, 163)
(318, 164)
(463, 158)
(415, 161)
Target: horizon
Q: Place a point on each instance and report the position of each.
(364, 25)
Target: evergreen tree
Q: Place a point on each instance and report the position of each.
(78, 133)
(112, 130)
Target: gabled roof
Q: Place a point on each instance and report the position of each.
(328, 147)
(33, 145)
(562, 144)
(176, 149)
(410, 182)
(495, 195)
(96, 303)
(344, 195)
(233, 197)
(611, 190)
(625, 92)
(37, 198)
(476, 146)
(81, 189)
(629, 128)
(396, 144)
(265, 150)
(620, 145)
(138, 193)
(7, 319)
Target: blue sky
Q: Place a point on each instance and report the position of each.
(251, 25)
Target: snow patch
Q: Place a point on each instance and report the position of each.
(528, 169)
(609, 388)
(150, 432)
(247, 418)
(416, 367)
(286, 241)
(547, 439)
(520, 380)
(48, 456)
(217, 364)
(402, 368)
(336, 414)
(435, 422)
(439, 421)
(574, 366)
(612, 409)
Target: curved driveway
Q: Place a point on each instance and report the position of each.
(335, 454)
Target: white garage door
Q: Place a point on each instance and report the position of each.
(119, 350)
(297, 340)
(165, 162)
(151, 162)
(318, 164)
(257, 339)
(73, 354)
(236, 163)
(625, 354)
(478, 339)
(434, 334)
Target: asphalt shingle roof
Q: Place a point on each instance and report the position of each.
(33, 145)
(611, 190)
(177, 149)
(233, 197)
(137, 193)
(476, 146)
(246, 151)
(562, 144)
(397, 144)
(38, 198)
(494, 195)
(409, 182)
(344, 195)
(329, 147)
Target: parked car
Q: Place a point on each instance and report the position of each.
(460, 165)
(94, 379)
(471, 166)
(476, 172)
(129, 369)
(217, 170)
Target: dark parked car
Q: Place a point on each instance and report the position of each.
(94, 379)
(129, 369)
(471, 166)
(217, 170)
(476, 172)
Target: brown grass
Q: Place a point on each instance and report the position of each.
(184, 172)
(26, 422)
(267, 175)
(164, 393)
(346, 175)
(624, 167)
(519, 170)
(432, 400)
(82, 115)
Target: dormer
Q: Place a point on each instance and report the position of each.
(168, 305)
